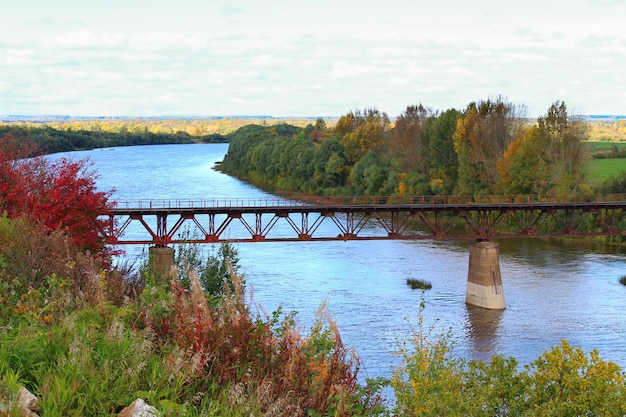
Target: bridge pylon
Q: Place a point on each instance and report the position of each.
(484, 282)
(161, 260)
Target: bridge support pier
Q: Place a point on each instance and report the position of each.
(484, 283)
(161, 260)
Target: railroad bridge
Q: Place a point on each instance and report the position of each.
(366, 218)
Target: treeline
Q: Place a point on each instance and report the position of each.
(608, 130)
(198, 128)
(490, 147)
(51, 140)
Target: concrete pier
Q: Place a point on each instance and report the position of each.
(161, 260)
(484, 283)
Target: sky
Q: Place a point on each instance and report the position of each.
(287, 58)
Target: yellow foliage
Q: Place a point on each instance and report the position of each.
(608, 131)
(402, 188)
(503, 164)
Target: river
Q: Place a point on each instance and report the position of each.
(553, 290)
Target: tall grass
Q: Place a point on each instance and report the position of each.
(177, 352)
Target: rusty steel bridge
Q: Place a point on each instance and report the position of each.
(162, 222)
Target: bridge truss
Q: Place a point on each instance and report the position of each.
(164, 222)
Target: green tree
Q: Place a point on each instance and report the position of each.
(615, 184)
(329, 167)
(564, 146)
(429, 379)
(335, 171)
(443, 158)
(496, 388)
(216, 275)
(368, 175)
(523, 168)
(215, 269)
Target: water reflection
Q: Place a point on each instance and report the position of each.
(483, 327)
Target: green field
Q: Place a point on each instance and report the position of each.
(602, 147)
(601, 169)
(604, 163)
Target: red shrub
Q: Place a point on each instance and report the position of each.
(275, 366)
(60, 195)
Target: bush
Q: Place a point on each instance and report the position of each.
(431, 381)
(60, 196)
(41, 272)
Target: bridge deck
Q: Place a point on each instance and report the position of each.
(364, 204)
(523, 216)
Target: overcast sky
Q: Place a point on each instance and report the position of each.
(308, 58)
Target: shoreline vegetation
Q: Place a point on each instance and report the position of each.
(89, 338)
(604, 131)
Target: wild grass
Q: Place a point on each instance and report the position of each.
(178, 353)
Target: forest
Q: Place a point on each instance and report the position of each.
(488, 148)
(50, 140)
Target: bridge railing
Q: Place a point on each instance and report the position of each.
(361, 201)
(205, 203)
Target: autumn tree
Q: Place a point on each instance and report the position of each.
(548, 157)
(407, 140)
(481, 138)
(318, 131)
(59, 195)
(361, 133)
(522, 166)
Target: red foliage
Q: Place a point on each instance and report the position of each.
(60, 195)
(228, 345)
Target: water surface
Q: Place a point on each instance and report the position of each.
(553, 290)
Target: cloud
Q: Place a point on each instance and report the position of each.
(83, 39)
(229, 9)
(285, 59)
